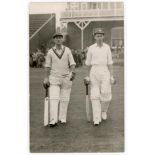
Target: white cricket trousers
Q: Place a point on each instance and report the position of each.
(100, 90)
(59, 93)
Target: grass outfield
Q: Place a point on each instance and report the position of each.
(77, 135)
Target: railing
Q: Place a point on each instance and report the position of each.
(92, 13)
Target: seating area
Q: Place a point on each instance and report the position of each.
(36, 20)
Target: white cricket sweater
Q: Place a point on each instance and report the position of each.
(59, 61)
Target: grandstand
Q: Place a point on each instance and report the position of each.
(81, 18)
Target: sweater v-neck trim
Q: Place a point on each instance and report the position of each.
(57, 54)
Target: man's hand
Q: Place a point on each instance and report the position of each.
(72, 76)
(86, 80)
(112, 80)
(46, 83)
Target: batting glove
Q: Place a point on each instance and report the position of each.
(112, 80)
(86, 80)
(72, 76)
(46, 83)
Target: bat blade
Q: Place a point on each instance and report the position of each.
(46, 107)
(88, 109)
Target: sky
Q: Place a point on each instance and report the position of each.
(52, 7)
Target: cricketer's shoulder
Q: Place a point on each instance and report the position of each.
(106, 45)
(67, 49)
(91, 46)
(50, 50)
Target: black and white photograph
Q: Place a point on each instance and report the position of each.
(76, 77)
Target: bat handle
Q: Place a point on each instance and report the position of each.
(46, 93)
(86, 89)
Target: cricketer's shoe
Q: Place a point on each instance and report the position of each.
(63, 121)
(96, 123)
(104, 115)
(53, 125)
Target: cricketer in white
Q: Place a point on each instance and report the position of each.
(59, 73)
(100, 76)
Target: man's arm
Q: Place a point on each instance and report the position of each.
(87, 79)
(47, 70)
(46, 82)
(72, 72)
(110, 67)
(72, 68)
(88, 70)
(71, 60)
(88, 67)
(112, 79)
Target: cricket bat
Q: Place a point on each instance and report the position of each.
(87, 105)
(46, 108)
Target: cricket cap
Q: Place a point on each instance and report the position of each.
(98, 31)
(57, 34)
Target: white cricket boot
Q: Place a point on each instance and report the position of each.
(96, 106)
(104, 115)
(105, 106)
